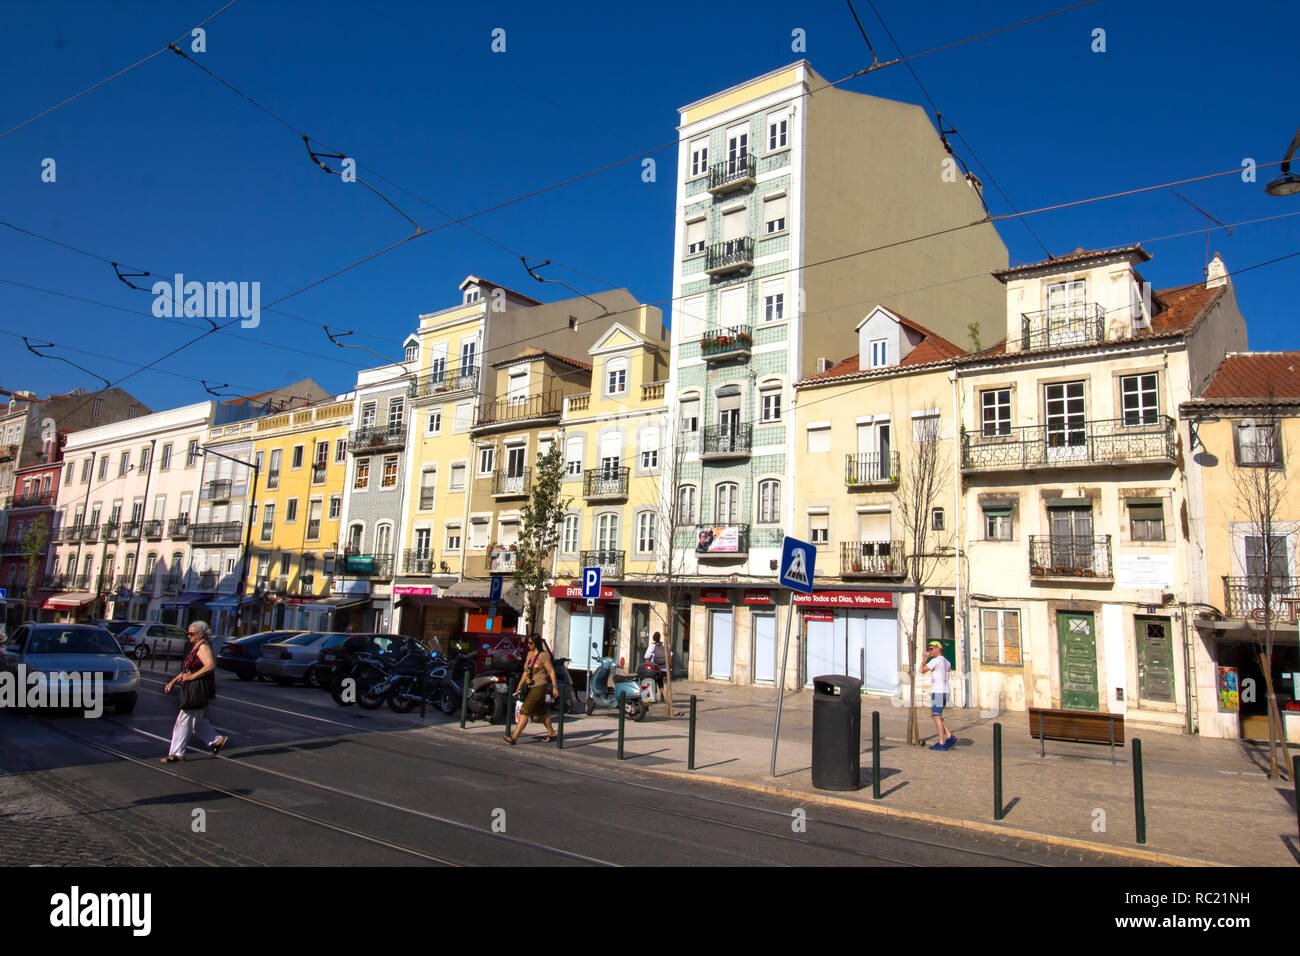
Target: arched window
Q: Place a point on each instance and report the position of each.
(769, 500)
(383, 538)
(355, 536)
(726, 501)
(686, 498)
(569, 537)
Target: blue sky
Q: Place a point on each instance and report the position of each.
(165, 169)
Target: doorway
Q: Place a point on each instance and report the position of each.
(764, 647)
(1076, 641)
(1155, 659)
(720, 645)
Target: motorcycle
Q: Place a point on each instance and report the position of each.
(632, 694)
(362, 669)
(556, 700)
(489, 690)
(652, 678)
(420, 678)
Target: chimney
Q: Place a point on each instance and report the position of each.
(823, 364)
(1216, 273)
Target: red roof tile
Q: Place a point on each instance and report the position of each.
(1254, 374)
(1185, 305)
(932, 348)
(532, 352)
(1078, 255)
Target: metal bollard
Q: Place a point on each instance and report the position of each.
(1139, 800)
(464, 700)
(997, 771)
(690, 747)
(622, 714)
(875, 755)
(564, 705)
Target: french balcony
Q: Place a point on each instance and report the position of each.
(729, 257)
(418, 562)
(512, 486)
(1073, 557)
(313, 529)
(110, 531)
(721, 541)
(217, 490)
(179, 527)
(523, 408)
(268, 528)
(1082, 323)
(722, 345)
(124, 582)
(89, 533)
(215, 533)
(732, 175)
(153, 529)
(373, 565)
(1244, 598)
(872, 559)
(605, 484)
(726, 441)
(609, 562)
(443, 381)
(145, 585)
(1070, 444)
(870, 470)
(318, 474)
(273, 479)
(207, 581)
(131, 530)
(67, 535)
(370, 439)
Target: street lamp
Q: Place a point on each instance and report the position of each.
(1287, 184)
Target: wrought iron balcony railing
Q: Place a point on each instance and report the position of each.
(727, 441)
(273, 479)
(732, 174)
(372, 438)
(32, 501)
(145, 585)
(871, 469)
(55, 582)
(124, 582)
(438, 381)
(605, 483)
(89, 532)
(313, 529)
(207, 581)
(721, 540)
(609, 562)
(216, 532)
(874, 559)
(359, 565)
(730, 255)
(418, 562)
(1069, 444)
(1083, 323)
(268, 529)
(131, 530)
(83, 582)
(216, 490)
(153, 528)
(179, 527)
(110, 530)
(1073, 556)
(1244, 598)
(512, 486)
(540, 405)
(171, 584)
(719, 345)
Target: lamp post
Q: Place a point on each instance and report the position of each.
(248, 535)
(1288, 183)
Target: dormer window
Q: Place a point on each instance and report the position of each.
(879, 353)
(472, 294)
(411, 352)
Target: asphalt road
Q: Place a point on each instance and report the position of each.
(305, 782)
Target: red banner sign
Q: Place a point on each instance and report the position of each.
(714, 596)
(412, 589)
(846, 599)
(757, 596)
(572, 591)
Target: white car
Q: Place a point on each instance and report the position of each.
(146, 640)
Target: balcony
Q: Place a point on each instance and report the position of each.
(1083, 323)
(145, 585)
(729, 256)
(274, 585)
(652, 391)
(268, 528)
(32, 501)
(171, 584)
(580, 403)
(507, 410)
(864, 471)
(501, 561)
(732, 175)
(215, 533)
(1073, 557)
(726, 441)
(131, 530)
(721, 541)
(721, 345)
(207, 581)
(110, 530)
(89, 533)
(872, 559)
(370, 439)
(55, 582)
(82, 582)
(124, 582)
(512, 486)
(609, 562)
(307, 584)
(153, 529)
(418, 562)
(273, 479)
(441, 381)
(217, 490)
(366, 565)
(318, 474)
(67, 535)
(179, 527)
(605, 484)
(1243, 597)
(313, 529)
(1070, 445)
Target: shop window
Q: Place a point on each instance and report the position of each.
(1000, 636)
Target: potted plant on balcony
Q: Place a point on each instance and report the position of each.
(857, 566)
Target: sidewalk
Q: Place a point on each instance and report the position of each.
(1207, 801)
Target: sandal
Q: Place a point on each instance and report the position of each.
(510, 740)
(171, 759)
(218, 744)
(548, 739)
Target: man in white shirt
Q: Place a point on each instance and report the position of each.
(656, 654)
(939, 669)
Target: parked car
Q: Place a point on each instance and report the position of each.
(149, 638)
(74, 648)
(117, 627)
(332, 652)
(239, 654)
(294, 659)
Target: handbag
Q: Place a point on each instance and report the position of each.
(194, 694)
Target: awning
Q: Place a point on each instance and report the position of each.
(228, 602)
(338, 603)
(477, 589)
(185, 600)
(428, 600)
(69, 599)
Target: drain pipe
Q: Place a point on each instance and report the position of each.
(969, 684)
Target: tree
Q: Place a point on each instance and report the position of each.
(1261, 488)
(671, 516)
(926, 463)
(33, 545)
(543, 517)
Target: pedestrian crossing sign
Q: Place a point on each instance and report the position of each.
(797, 561)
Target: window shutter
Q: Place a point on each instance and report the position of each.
(696, 231)
(733, 225)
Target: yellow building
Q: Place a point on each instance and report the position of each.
(1244, 427)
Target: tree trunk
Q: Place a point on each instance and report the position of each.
(1276, 725)
(913, 728)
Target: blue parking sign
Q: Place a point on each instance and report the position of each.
(591, 582)
(494, 589)
(797, 560)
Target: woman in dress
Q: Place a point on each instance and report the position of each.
(538, 676)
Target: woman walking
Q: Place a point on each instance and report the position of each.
(537, 669)
(199, 666)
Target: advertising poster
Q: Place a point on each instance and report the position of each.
(1227, 683)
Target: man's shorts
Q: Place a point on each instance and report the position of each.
(937, 702)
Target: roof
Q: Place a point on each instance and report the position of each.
(1185, 305)
(1078, 255)
(930, 350)
(479, 280)
(1253, 375)
(533, 352)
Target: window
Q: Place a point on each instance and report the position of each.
(995, 412)
(123, 464)
(697, 232)
(336, 507)
(690, 416)
(103, 467)
(313, 519)
(616, 377)
(67, 478)
(456, 481)
(649, 449)
(569, 535)
(1001, 636)
(428, 488)
(133, 411)
(340, 451)
(778, 131)
(85, 471)
(774, 211)
(997, 522)
(453, 538)
(486, 459)
(1146, 520)
(390, 472)
(461, 421)
(774, 301)
(1277, 560)
(726, 500)
(573, 449)
(879, 353)
(819, 438)
(291, 510)
(686, 504)
(819, 529)
(368, 415)
(1066, 415)
(268, 520)
(192, 453)
(472, 295)
(1258, 443)
(468, 354)
(96, 409)
(363, 474)
(297, 456)
(144, 458)
(1139, 399)
(166, 461)
(433, 426)
(284, 565)
(699, 157)
(770, 406)
(645, 532)
(478, 535)
(273, 474)
(396, 409)
(412, 351)
(607, 532)
(936, 519)
(737, 147)
(769, 501)
(383, 539)
(321, 454)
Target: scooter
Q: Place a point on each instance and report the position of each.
(652, 678)
(489, 689)
(634, 695)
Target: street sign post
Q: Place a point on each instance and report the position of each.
(798, 559)
(591, 591)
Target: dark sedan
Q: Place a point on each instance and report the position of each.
(239, 655)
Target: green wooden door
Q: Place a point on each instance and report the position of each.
(1155, 659)
(1077, 646)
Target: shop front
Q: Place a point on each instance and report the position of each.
(586, 633)
(854, 633)
(184, 608)
(70, 606)
(1241, 694)
(232, 616)
(430, 618)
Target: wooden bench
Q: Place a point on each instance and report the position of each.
(1078, 726)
